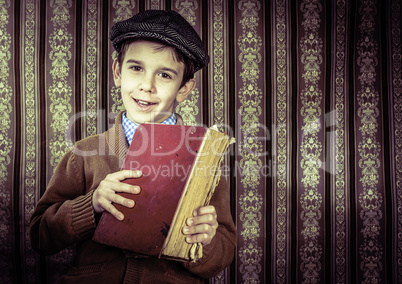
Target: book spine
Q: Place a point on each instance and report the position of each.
(174, 246)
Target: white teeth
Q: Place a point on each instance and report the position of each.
(143, 103)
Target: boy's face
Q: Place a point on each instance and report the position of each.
(150, 80)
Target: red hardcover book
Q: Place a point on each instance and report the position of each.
(166, 154)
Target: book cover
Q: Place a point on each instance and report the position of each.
(166, 155)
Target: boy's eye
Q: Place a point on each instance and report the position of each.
(165, 75)
(136, 68)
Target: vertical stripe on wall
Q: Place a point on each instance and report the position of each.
(191, 109)
(7, 114)
(369, 182)
(395, 107)
(218, 66)
(30, 138)
(59, 73)
(251, 130)
(59, 78)
(218, 83)
(310, 129)
(91, 69)
(281, 148)
(339, 137)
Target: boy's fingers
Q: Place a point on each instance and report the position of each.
(109, 186)
(205, 239)
(106, 194)
(124, 187)
(210, 219)
(115, 198)
(122, 175)
(201, 228)
(112, 210)
(134, 173)
(112, 198)
(198, 229)
(205, 210)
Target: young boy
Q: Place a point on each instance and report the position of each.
(158, 53)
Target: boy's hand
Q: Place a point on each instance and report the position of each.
(202, 227)
(106, 193)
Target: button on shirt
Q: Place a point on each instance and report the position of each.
(130, 127)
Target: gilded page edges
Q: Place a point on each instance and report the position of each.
(175, 245)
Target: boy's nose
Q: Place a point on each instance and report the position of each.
(147, 84)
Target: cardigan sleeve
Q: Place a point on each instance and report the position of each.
(220, 252)
(64, 214)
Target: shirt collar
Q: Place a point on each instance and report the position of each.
(130, 127)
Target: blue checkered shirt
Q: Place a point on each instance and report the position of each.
(130, 127)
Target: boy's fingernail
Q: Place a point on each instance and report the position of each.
(186, 230)
(139, 173)
(120, 217)
(188, 239)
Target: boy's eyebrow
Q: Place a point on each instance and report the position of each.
(163, 68)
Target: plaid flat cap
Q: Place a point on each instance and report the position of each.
(167, 26)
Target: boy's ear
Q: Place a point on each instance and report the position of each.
(116, 73)
(185, 90)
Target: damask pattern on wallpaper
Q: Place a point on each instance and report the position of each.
(281, 133)
(30, 139)
(251, 152)
(60, 97)
(310, 128)
(91, 95)
(395, 81)
(340, 189)
(7, 144)
(370, 190)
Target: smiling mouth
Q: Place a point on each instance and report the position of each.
(143, 103)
